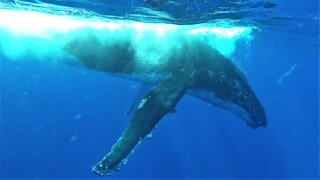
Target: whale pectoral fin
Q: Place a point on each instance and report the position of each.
(143, 90)
(161, 100)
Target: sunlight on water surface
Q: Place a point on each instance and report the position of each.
(42, 35)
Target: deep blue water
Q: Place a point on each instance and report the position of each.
(57, 121)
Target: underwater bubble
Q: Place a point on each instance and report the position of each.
(73, 138)
(78, 116)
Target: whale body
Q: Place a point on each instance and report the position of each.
(172, 60)
(192, 67)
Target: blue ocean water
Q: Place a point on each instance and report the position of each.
(57, 121)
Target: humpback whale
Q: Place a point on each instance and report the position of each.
(168, 60)
(193, 68)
